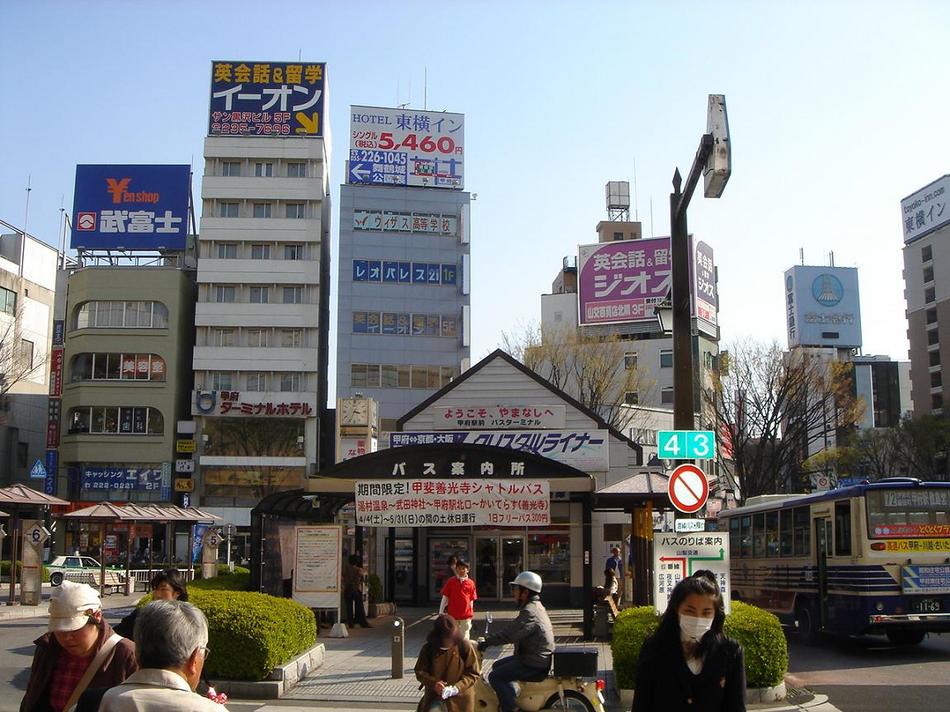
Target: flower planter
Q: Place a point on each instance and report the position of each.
(381, 609)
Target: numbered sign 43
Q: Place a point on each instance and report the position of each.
(686, 444)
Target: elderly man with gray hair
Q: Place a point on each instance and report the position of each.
(171, 643)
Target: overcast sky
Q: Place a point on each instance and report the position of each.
(837, 110)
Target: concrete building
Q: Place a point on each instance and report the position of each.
(262, 318)
(926, 252)
(404, 288)
(27, 297)
(126, 380)
(884, 386)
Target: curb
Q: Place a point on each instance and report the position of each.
(281, 679)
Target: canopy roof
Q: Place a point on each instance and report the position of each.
(107, 511)
(634, 491)
(21, 494)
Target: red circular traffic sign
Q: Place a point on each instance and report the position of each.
(688, 489)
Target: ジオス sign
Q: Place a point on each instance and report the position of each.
(131, 207)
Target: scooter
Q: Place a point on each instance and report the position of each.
(570, 694)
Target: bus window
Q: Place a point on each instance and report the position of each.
(786, 537)
(735, 540)
(771, 533)
(758, 535)
(802, 531)
(745, 546)
(908, 513)
(843, 528)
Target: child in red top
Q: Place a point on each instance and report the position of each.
(458, 595)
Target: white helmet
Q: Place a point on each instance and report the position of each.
(529, 580)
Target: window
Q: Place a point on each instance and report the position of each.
(631, 398)
(618, 236)
(8, 301)
(224, 293)
(372, 375)
(802, 529)
(293, 295)
(231, 168)
(666, 395)
(666, 358)
(130, 315)
(257, 337)
(260, 252)
(118, 366)
(293, 252)
(26, 354)
(929, 295)
(630, 362)
(929, 273)
(420, 377)
(786, 533)
(220, 381)
(357, 374)
(745, 536)
(22, 454)
(758, 535)
(115, 420)
(400, 376)
(771, 534)
(295, 211)
(228, 209)
(936, 401)
(389, 377)
(549, 554)
(927, 253)
(290, 382)
(735, 541)
(257, 381)
(258, 295)
(934, 358)
(262, 210)
(936, 380)
(843, 528)
(227, 250)
(296, 170)
(222, 337)
(263, 170)
(933, 337)
(931, 316)
(292, 338)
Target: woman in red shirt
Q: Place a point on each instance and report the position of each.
(458, 596)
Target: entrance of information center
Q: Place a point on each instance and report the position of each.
(494, 560)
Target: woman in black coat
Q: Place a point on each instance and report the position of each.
(689, 665)
(167, 585)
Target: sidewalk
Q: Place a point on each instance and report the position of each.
(357, 669)
(17, 612)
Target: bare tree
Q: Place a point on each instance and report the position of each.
(922, 446)
(590, 369)
(17, 361)
(775, 406)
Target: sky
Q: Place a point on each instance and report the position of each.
(837, 110)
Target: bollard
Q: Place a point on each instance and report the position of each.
(398, 647)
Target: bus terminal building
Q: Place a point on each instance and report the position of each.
(500, 468)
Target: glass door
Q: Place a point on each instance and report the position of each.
(440, 549)
(822, 551)
(486, 567)
(512, 562)
(402, 570)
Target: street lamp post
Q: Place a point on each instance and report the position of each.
(713, 162)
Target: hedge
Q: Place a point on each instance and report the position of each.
(231, 582)
(759, 632)
(223, 570)
(5, 570)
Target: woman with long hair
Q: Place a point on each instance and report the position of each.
(689, 663)
(167, 585)
(447, 669)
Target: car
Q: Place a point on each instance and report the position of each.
(81, 569)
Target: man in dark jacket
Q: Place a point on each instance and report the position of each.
(77, 637)
(533, 636)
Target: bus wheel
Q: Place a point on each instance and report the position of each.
(905, 637)
(806, 623)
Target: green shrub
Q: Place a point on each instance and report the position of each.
(5, 571)
(252, 633)
(223, 570)
(231, 582)
(759, 632)
(375, 589)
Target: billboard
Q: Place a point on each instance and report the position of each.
(705, 302)
(822, 306)
(267, 99)
(406, 147)
(926, 210)
(622, 281)
(131, 207)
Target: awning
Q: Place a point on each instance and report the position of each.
(21, 494)
(635, 491)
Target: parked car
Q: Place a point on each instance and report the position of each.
(81, 569)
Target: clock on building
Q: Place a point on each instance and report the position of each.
(354, 411)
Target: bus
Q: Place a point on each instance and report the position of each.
(872, 558)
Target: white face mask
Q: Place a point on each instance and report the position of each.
(462, 576)
(693, 628)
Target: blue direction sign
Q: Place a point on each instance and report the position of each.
(686, 444)
(925, 579)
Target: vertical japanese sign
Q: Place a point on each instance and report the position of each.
(406, 147)
(676, 556)
(926, 210)
(622, 281)
(823, 306)
(267, 99)
(705, 299)
(131, 207)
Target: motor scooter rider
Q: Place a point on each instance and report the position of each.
(533, 637)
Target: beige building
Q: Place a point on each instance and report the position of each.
(126, 381)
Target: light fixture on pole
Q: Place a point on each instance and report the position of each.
(664, 314)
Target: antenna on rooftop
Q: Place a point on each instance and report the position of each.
(636, 206)
(26, 216)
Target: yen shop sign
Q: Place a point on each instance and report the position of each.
(686, 444)
(688, 489)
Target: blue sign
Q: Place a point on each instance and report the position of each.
(925, 579)
(131, 207)
(404, 272)
(38, 471)
(112, 479)
(198, 539)
(267, 99)
(52, 466)
(59, 332)
(822, 306)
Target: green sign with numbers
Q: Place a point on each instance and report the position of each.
(686, 444)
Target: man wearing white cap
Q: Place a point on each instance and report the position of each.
(79, 651)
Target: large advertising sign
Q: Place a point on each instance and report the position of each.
(267, 99)
(587, 450)
(406, 147)
(676, 556)
(623, 281)
(926, 210)
(705, 297)
(456, 503)
(822, 306)
(126, 479)
(131, 207)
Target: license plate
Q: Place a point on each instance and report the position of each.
(925, 605)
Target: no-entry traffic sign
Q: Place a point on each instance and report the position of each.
(688, 489)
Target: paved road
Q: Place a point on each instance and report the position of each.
(870, 675)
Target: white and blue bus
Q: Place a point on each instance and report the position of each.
(872, 558)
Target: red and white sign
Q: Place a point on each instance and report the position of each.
(688, 488)
(86, 221)
(56, 372)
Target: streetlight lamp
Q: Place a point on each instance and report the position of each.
(713, 161)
